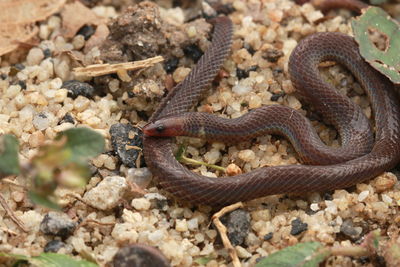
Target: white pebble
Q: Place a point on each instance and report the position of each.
(193, 224)
(181, 225)
(314, 206)
(35, 56)
(241, 89)
(386, 199)
(363, 195)
(247, 155)
(141, 203)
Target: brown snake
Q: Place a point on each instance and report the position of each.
(303, 68)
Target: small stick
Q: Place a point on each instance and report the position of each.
(10, 213)
(102, 69)
(223, 232)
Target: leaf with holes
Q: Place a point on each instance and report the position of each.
(383, 51)
(50, 260)
(309, 254)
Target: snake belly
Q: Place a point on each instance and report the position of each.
(303, 69)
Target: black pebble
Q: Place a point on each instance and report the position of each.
(241, 74)
(139, 255)
(298, 227)
(19, 66)
(87, 31)
(121, 140)
(53, 246)
(268, 236)
(76, 88)
(67, 118)
(3, 76)
(238, 225)
(347, 228)
(171, 64)
(193, 51)
(328, 196)
(249, 48)
(47, 53)
(275, 97)
(22, 84)
(57, 224)
(272, 55)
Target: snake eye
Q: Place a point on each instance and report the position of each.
(160, 128)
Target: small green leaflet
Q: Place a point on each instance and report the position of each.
(308, 254)
(9, 163)
(52, 260)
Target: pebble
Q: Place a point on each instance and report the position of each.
(127, 143)
(268, 236)
(347, 228)
(171, 64)
(181, 225)
(53, 246)
(43, 120)
(35, 56)
(158, 201)
(86, 31)
(242, 252)
(180, 74)
(139, 255)
(57, 224)
(298, 227)
(238, 226)
(107, 194)
(193, 51)
(272, 54)
(233, 169)
(77, 88)
(363, 195)
(67, 119)
(240, 89)
(141, 203)
(247, 155)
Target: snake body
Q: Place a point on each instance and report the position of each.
(370, 158)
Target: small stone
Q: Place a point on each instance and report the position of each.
(347, 228)
(58, 224)
(171, 64)
(384, 182)
(268, 236)
(193, 51)
(67, 119)
(127, 144)
(314, 207)
(247, 155)
(238, 226)
(42, 120)
(76, 88)
(272, 55)
(298, 227)
(141, 203)
(53, 246)
(158, 201)
(139, 255)
(86, 31)
(193, 224)
(181, 225)
(363, 195)
(233, 169)
(35, 56)
(242, 252)
(107, 194)
(240, 89)
(180, 74)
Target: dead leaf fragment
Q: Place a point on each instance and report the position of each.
(17, 20)
(76, 15)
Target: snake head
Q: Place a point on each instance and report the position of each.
(164, 127)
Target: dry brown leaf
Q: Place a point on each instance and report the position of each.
(27, 11)
(76, 15)
(102, 69)
(17, 18)
(12, 36)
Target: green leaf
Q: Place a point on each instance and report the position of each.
(308, 254)
(9, 163)
(42, 200)
(51, 260)
(377, 2)
(84, 143)
(387, 62)
(202, 260)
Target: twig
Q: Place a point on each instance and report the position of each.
(223, 232)
(353, 251)
(102, 69)
(180, 156)
(10, 213)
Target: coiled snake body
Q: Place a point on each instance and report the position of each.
(360, 157)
